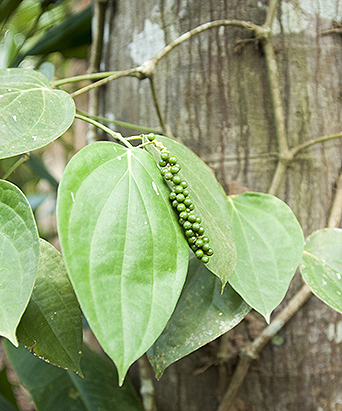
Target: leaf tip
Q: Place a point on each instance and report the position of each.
(267, 317)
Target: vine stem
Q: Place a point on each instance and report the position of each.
(146, 384)
(83, 77)
(116, 136)
(23, 158)
(156, 104)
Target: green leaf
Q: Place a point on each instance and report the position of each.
(122, 245)
(55, 389)
(32, 115)
(6, 405)
(202, 314)
(269, 242)
(210, 203)
(19, 255)
(51, 326)
(321, 267)
(6, 392)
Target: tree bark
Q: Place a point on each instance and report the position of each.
(215, 97)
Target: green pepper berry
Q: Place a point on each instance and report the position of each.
(205, 239)
(186, 192)
(191, 207)
(184, 184)
(174, 169)
(205, 247)
(198, 220)
(181, 221)
(200, 230)
(184, 215)
(189, 233)
(196, 227)
(175, 203)
(162, 163)
(178, 165)
(192, 240)
(199, 243)
(188, 202)
(205, 259)
(172, 196)
(168, 175)
(187, 225)
(181, 207)
(192, 218)
(194, 247)
(176, 180)
(180, 197)
(165, 155)
(173, 160)
(163, 171)
(199, 253)
(151, 136)
(210, 252)
(178, 189)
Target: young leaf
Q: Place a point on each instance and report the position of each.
(321, 267)
(19, 255)
(31, 113)
(55, 389)
(269, 242)
(123, 247)
(202, 314)
(51, 326)
(210, 204)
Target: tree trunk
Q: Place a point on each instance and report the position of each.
(215, 97)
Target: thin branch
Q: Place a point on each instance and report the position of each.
(134, 72)
(116, 136)
(313, 141)
(199, 29)
(336, 209)
(146, 384)
(278, 177)
(23, 158)
(156, 104)
(272, 8)
(121, 123)
(83, 77)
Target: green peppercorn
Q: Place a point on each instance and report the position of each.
(173, 160)
(181, 221)
(172, 195)
(191, 207)
(192, 240)
(187, 225)
(205, 247)
(196, 227)
(194, 247)
(205, 259)
(186, 192)
(174, 169)
(168, 175)
(178, 189)
(205, 239)
(176, 180)
(187, 202)
(210, 252)
(200, 230)
(184, 184)
(180, 197)
(198, 220)
(192, 218)
(165, 155)
(181, 207)
(184, 215)
(199, 253)
(189, 233)
(175, 203)
(199, 243)
(151, 136)
(162, 163)
(163, 171)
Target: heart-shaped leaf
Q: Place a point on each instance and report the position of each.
(210, 204)
(55, 389)
(19, 255)
(123, 247)
(31, 113)
(269, 243)
(202, 314)
(321, 267)
(51, 326)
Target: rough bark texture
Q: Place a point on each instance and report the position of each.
(216, 100)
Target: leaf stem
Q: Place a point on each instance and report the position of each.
(156, 104)
(89, 76)
(116, 136)
(23, 158)
(313, 141)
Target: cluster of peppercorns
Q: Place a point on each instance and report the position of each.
(184, 206)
